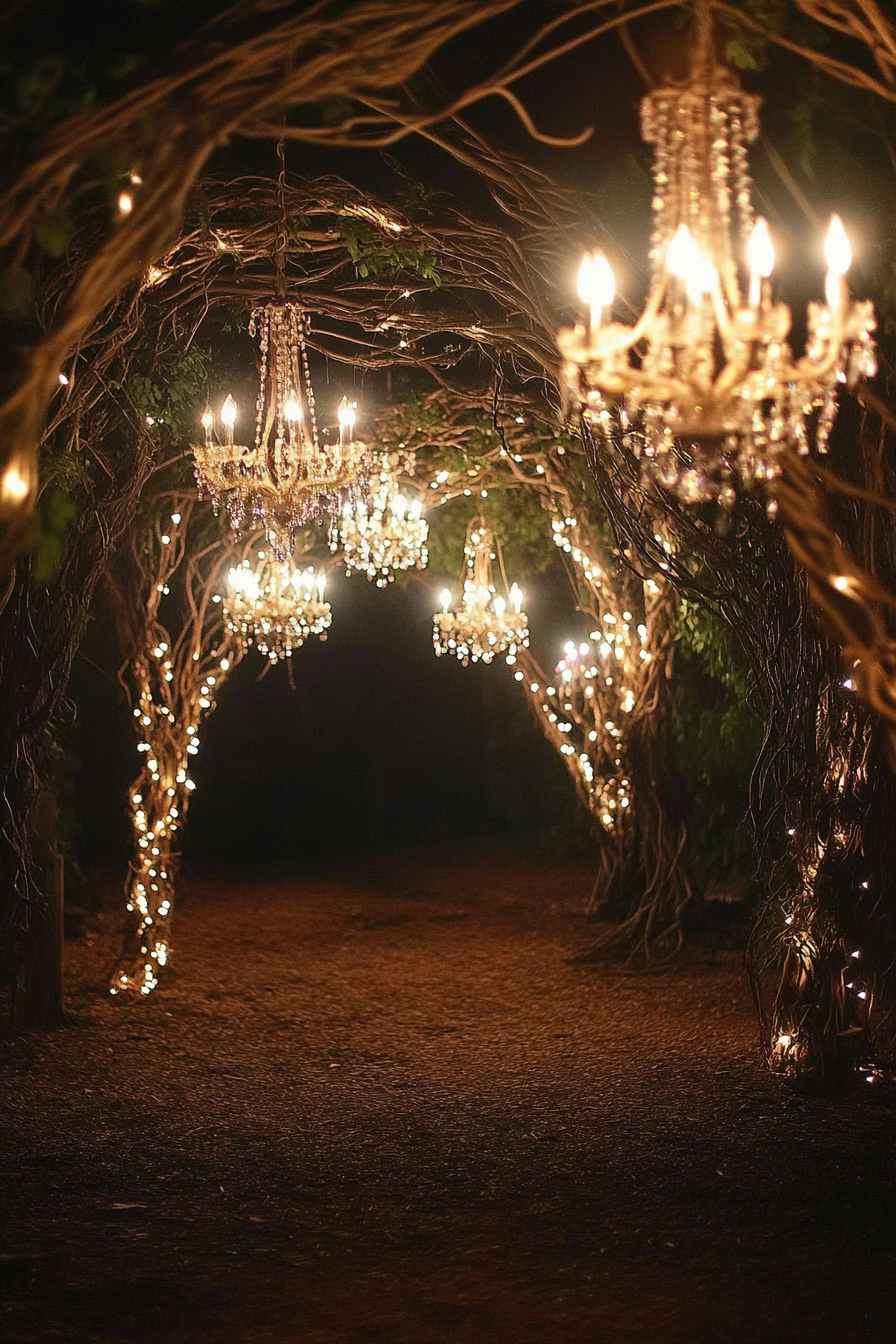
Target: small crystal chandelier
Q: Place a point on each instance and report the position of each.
(386, 535)
(704, 387)
(275, 606)
(481, 626)
(293, 474)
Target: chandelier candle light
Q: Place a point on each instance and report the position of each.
(386, 535)
(293, 474)
(704, 386)
(276, 606)
(481, 626)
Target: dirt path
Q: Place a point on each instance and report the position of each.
(391, 1110)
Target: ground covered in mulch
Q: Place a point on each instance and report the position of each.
(387, 1106)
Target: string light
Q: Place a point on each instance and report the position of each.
(174, 687)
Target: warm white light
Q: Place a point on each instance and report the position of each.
(125, 203)
(516, 598)
(595, 283)
(415, 510)
(837, 251)
(683, 257)
(15, 487)
(500, 606)
(293, 410)
(347, 413)
(244, 580)
(445, 598)
(399, 507)
(228, 411)
(761, 250)
(207, 419)
(321, 586)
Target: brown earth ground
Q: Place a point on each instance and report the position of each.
(387, 1107)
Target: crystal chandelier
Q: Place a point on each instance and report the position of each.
(275, 606)
(704, 387)
(481, 626)
(386, 535)
(293, 474)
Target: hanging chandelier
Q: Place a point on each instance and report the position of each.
(292, 475)
(704, 386)
(481, 626)
(275, 606)
(385, 535)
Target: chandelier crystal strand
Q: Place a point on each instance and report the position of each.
(276, 606)
(481, 626)
(704, 387)
(387, 534)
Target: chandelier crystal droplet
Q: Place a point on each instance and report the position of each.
(481, 626)
(276, 606)
(293, 474)
(704, 387)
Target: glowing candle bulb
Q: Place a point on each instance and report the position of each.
(399, 507)
(838, 255)
(685, 260)
(761, 250)
(837, 251)
(293, 409)
(228, 418)
(761, 256)
(683, 254)
(207, 421)
(596, 285)
(516, 598)
(500, 606)
(415, 510)
(321, 586)
(445, 598)
(346, 415)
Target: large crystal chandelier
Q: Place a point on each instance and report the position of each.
(385, 535)
(292, 474)
(274, 605)
(481, 626)
(704, 386)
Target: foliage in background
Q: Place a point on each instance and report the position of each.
(718, 738)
